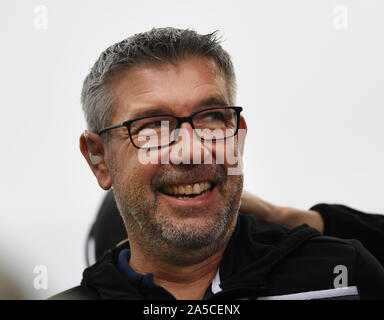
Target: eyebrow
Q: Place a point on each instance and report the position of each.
(214, 101)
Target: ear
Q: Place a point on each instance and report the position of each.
(242, 134)
(93, 149)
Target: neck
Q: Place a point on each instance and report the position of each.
(176, 278)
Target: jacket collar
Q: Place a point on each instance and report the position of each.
(256, 246)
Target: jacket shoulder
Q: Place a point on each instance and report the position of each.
(330, 262)
(77, 293)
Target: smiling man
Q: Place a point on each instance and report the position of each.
(148, 194)
(162, 124)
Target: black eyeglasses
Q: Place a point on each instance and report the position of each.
(152, 132)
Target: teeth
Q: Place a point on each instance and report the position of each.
(187, 189)
(196, 188)
(181, 190)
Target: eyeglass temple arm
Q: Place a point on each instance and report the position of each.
(110, 128)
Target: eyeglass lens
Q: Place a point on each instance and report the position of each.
(160, 131)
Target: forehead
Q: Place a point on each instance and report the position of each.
(173, 88)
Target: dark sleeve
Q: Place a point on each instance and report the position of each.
(347, 223)
(370, 274)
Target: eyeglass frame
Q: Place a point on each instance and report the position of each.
(180, 121)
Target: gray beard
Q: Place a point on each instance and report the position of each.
(187, 238)
(176, 243)
(181, 236)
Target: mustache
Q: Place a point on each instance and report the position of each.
(188, 174)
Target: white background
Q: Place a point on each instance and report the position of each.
(312, 94)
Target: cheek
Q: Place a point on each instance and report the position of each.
(226, 152)
(131, 172)
(152, 158)
(141, 175)
(147, 172)
(233, 188)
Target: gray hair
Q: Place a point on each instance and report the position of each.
(158, 46)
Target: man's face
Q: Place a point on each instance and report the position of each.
(146, 193)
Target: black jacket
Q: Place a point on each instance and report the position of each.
(347, 223)
(263, 260)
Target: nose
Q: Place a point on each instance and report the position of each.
(188, 149)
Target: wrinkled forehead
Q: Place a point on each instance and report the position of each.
(181, 87)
